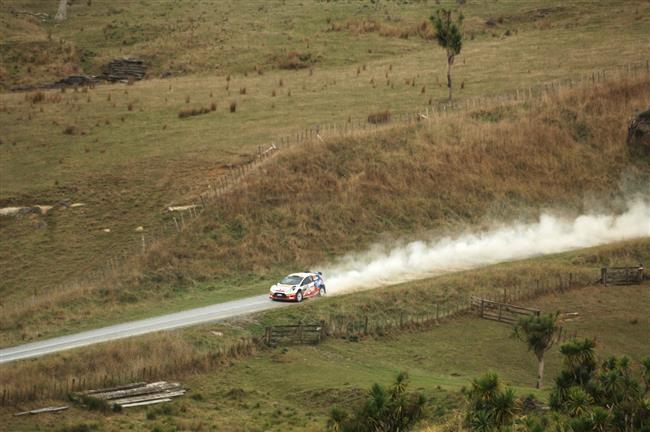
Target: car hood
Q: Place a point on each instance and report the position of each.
(281, 288)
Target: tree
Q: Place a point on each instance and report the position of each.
(490, 406)
(645, 364)
(449, 36)
(385, 410)
(538, 332)
(580, 360)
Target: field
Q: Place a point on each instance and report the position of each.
(544, 92)
(124, 152)
(269, 390)
(383, 189)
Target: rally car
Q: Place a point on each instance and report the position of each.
(298, 286)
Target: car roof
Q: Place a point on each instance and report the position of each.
(302, 275)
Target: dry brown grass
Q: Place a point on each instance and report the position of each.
(357, 26)
(190, 112)
(159, 356)
(458, 169)
(179, 354)
(379, 117)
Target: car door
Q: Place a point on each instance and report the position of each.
(307, 286)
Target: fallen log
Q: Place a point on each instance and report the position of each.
(150, 397)
(157, 401)
(42, 410)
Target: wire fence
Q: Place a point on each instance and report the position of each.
(351, 327)
(179, 218)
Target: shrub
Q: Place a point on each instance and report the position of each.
(293, 60)
(242, 91)
(390, 408)
(72, 130)
(193, 112)
(233, 107)
(35, 98)
(379, 117)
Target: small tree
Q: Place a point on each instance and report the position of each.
(538, 332)
(490, 405)
(386, 409)
(645, 364)
(449, 36)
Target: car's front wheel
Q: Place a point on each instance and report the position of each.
(299, 296)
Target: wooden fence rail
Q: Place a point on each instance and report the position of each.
(300, 333)
(622, 275)
(502, 312)
(350, 327)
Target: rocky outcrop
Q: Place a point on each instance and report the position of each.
(638, 135)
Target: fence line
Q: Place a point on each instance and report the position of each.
(173, 224)
(350, 327)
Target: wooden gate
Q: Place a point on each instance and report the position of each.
(502, 312)
(622, 275)
(301, 333)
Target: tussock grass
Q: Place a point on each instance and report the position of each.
(455, 170)
(462, 169)
(379, 117)
(194, 111)
(126, 185)
(436, 357)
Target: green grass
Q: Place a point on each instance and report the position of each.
(128, 165)
(440, 362)
(377, 186)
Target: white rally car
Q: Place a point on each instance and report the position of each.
(298, 286)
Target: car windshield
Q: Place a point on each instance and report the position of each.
(291, 280)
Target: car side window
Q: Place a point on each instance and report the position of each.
(306, 281)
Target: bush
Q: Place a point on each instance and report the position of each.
(72, 130)
(379, 117)
(35, 98)
(233, 107)
(94, 404)
(194, 112)
(294, 60)
(386, 409)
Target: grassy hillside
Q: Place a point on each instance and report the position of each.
(265, 391)
(126, 154)
(310, 204)
(245, 37)
(188, 350)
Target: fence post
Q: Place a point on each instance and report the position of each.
(321, 333)
(482, 307)
(603, 275)
(300, 328)
(268, 335)
(365, 325)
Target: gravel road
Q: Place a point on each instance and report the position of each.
(190, 317)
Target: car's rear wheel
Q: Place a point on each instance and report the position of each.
(299, 296)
